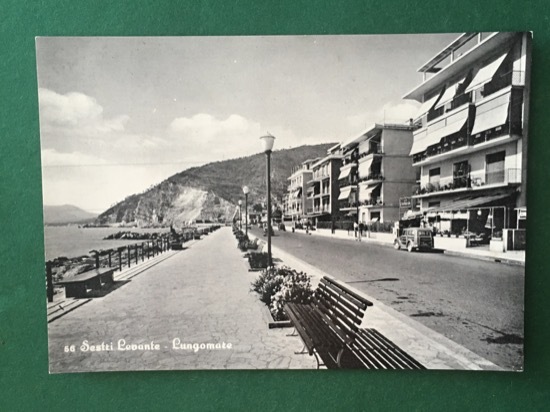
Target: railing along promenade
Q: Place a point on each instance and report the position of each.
(117, 258)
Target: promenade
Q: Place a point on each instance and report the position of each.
(197, 296)
(194, 310)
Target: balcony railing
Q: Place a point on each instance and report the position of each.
(347, 182)
(371, 176)
(371, 202)
(473, 180)
(375, 150)
(321, 209)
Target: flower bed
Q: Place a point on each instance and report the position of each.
(279, 285)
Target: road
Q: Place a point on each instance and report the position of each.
(478, 304)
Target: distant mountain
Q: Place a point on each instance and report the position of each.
(211, 191)
(65, 214)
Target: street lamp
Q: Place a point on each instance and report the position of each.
(245, 191)
(268, 141)
(240, 215)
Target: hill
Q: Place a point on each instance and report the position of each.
(65, 214)
(210, 191)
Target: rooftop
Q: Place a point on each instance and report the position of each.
(491, 45)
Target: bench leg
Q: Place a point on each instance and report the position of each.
(319, 364)
(303, 351)
(339, 357)
(294, 333)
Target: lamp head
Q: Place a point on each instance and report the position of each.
(240, 202)
(268, 140)
(246, 190)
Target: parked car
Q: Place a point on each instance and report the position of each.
(414, 238)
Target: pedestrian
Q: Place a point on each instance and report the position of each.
(360, 231)
(356, 230)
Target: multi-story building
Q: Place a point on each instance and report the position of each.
(376, 172)
(471, 143)
(298, 202)
(323, 187)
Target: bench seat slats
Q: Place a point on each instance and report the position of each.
(378, 352)
(320, 335)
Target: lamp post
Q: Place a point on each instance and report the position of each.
(240, 215)
(245, 191)
(268, 141)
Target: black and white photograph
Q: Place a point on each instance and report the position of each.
(285, 202)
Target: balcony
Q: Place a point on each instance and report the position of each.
(373, 150)
(348, 182)
(319, 210)
(495, 119)
(474, 181)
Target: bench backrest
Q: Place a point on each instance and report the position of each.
(343, 309)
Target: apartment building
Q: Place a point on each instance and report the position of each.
(376, 172)
(298, 203)
(470, 146)
(323, 188)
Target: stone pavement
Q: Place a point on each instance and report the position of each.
(191, 311)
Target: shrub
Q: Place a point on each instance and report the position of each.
(244, 241)
(277, 286)
(258, 260)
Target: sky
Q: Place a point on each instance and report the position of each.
(120, 114)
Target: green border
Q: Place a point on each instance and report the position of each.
(24, 380)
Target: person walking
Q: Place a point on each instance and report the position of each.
(356, 230)
(361, 229)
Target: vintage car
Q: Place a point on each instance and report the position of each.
(414, 238)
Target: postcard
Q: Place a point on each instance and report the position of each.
(285, 202)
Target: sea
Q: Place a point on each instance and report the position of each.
(73, 241)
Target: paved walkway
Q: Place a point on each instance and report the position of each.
(199, 296)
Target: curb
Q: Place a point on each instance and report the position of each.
(495, 259)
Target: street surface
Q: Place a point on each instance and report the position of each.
(478, 304)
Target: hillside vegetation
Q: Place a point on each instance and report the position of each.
(210, 191)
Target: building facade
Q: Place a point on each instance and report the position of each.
(323, 188)
(298, 203)
(376, 172)
(470, 145)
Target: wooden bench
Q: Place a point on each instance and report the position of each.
(330, 330)
(78, 286)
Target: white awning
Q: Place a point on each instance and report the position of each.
(374, 220)
(435, 136)
(485, 74)
(431, 137)
(369, 190)
(344, 193)
(344, 173)
(450, 93)
(364, 167)
(491, 114)
(426, 106)
(297, 193)
(418, 142)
